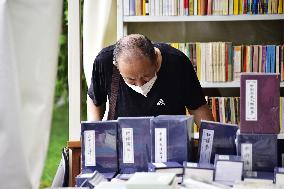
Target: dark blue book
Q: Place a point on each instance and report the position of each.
(259, 151)
(279, 175)
(259, 177)
(134, 144)
(166, 167)
(216, 138)
(99, 147)
(228, 169)
(171, 138)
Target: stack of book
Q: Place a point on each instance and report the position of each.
(126, 146)
(259, 126)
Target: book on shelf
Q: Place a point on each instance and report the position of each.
(202, 7)
(99, 147)
(216, 138)
(134, 144)
(203, 172)
(259, 177)
(171, 135)
(259, 108)
(152, 180)
(224, 62)
(225, 109)
(259, 151)
(228, 169)
(166, 167)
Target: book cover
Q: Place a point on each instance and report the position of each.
(259, 94)
(216, 138)
(152, 180)
(259, 151)
(228, 169)
(134, 144)
(259, 177)
(204, 172)
(171, 138)
(166, 167)
(99, 146)
(279, 175)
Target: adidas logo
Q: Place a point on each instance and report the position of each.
(161, 103)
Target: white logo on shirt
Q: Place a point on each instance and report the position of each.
(161, 103)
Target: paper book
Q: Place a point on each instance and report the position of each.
(171, 138)
(202, 172)
(259, 108)
(166, 167)
(216, 138)
(279, 176)
(259, 177)
(99, 146)
(259, 151)
(152, 181)
(134, 144)
(237, 62)
(89, 179)
(111, 185)
(228, 169)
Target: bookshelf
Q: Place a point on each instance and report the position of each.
(258, 29)
(239, 29)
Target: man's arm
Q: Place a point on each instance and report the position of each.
(95, 113)
(202, 113)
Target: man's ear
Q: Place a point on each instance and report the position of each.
(158, 58)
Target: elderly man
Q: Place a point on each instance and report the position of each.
(142, 78)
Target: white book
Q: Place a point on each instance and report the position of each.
(157, 8)
(152, 7)
(126, 8)
(182, 10)
(195, 5)
(259, 58)
(277, 63)
(152, 180)
(161, 8)
(231, 7)
(203, 61)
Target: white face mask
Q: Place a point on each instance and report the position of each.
(144, 89)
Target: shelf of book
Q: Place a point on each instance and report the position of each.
(202, 18)
(196, 136)
(232, 84)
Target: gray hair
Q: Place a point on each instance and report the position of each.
(135, 45)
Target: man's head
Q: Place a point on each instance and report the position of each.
(136, 59)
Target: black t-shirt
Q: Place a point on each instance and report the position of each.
(176, 86)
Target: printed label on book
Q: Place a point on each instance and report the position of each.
(246, 151)
(224, 157)
(281, 169)
(90, 148)
(128, 148)
(251, 100)
(190, 164)
(159, 165)
(160, 145)
(206, 146)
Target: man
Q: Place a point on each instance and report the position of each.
(154, 79)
